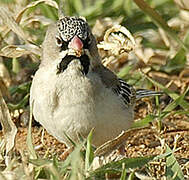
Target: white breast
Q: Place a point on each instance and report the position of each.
(73, 103)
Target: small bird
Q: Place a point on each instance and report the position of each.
(72, 92)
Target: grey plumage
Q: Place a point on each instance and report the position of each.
(72, 92)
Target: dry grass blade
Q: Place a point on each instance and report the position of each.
(33, 4)
(8, 19)
(14, 51)
(9, 128)
(109, 146)
(183, 4)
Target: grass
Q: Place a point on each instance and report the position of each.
(158, 61)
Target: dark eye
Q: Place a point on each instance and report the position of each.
(58, 41)
(87, 43)
(61, 43)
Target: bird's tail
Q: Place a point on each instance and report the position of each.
(140, 93)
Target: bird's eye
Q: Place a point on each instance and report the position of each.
(58, 41)
(87, 43)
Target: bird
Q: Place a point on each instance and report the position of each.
(72, 92)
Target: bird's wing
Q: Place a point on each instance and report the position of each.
(140, 93)
(123, 90)
(126, 92)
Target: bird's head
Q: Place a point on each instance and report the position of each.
(73, 35)
(70, 38)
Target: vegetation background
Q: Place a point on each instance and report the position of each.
(159, 60)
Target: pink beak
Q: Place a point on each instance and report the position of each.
(76, 44)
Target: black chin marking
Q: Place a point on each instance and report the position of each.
(84, 60)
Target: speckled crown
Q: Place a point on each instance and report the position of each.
(68, 27)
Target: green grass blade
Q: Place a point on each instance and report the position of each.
(158, 20)
(21, 104)
(40, 162)
(124, 172)
(124, 71)
(15, 65)
(174, 104)
(77, 166)
(29, 137)
(169, 108)
(22, 88)
(181, 112)
(184, 104)
(143, 122)
(116, 167)
(70, 139)
(177, 63)
(172, 167)
(89, 152)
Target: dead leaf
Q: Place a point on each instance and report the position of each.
(117, 43)
(33, 4)
(9, 21)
